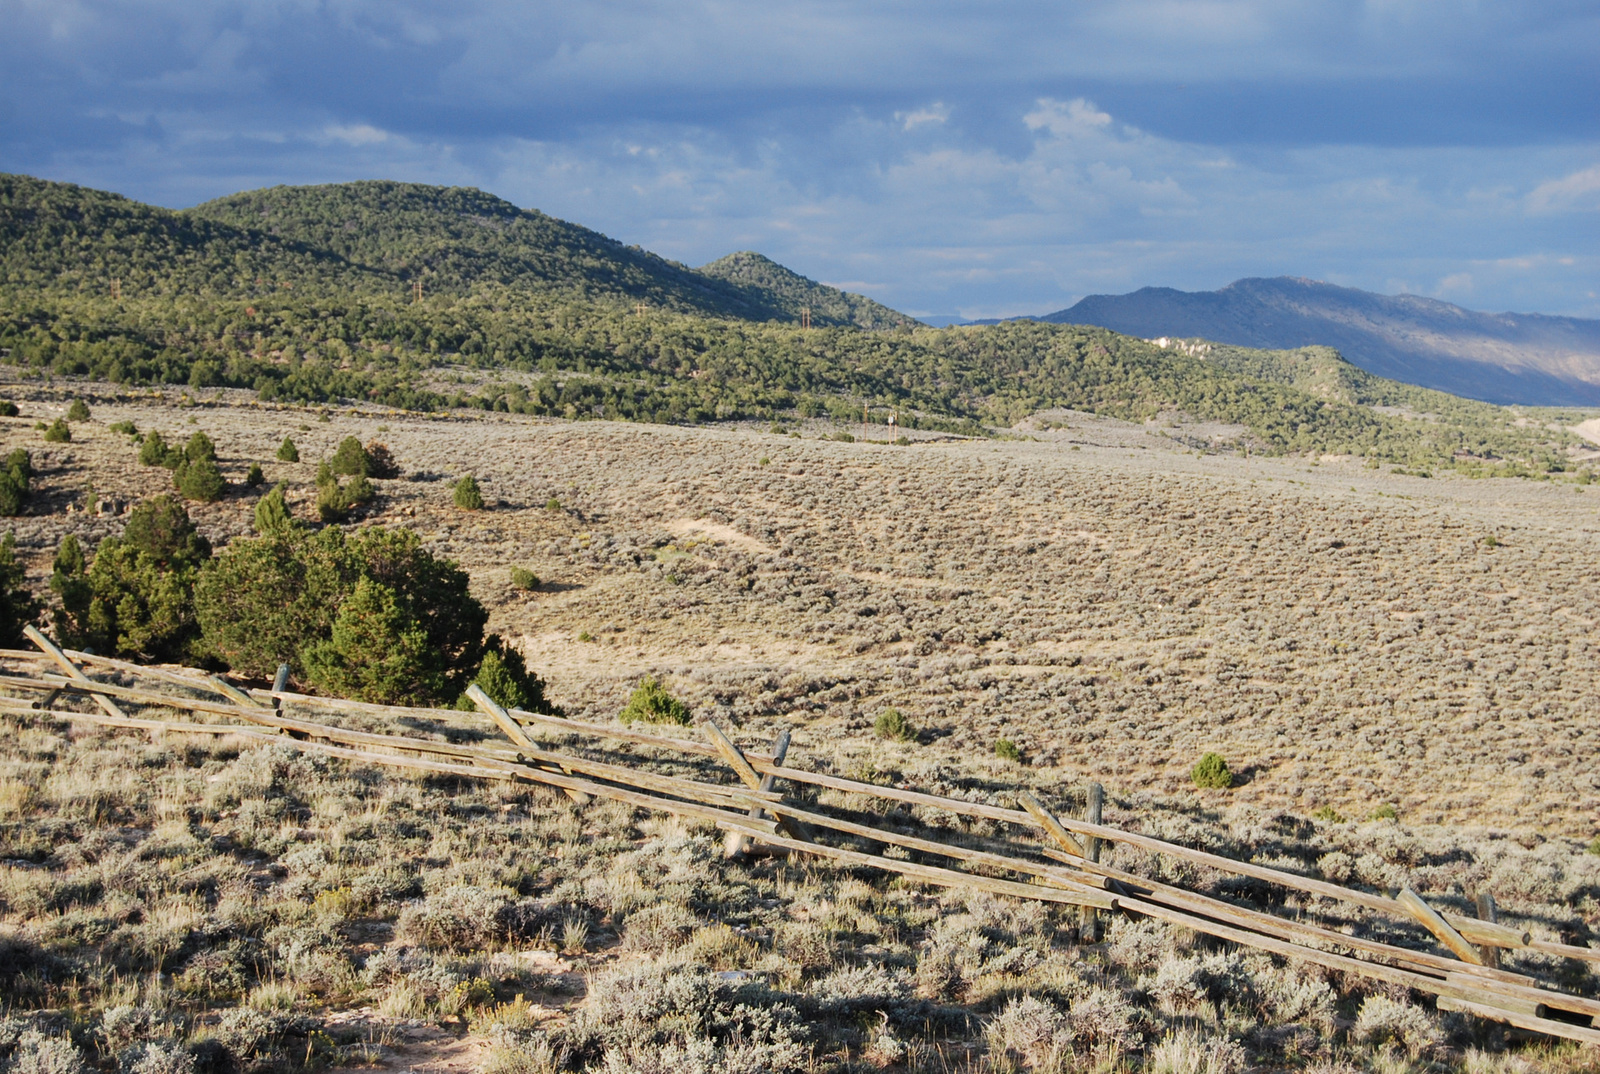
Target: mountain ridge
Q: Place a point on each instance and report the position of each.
(1533, 359)
(373, 236)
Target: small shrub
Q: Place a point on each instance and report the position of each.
(1385, 812)
(155, 452)
(16, 477)
(272, 513)
(1386, 1021)
(1007, 750)
(892, 725)
(460, 918)
(1491, 541)
(1594, 847)
(78, 411)
(523, 578)
(287, 452)
(350, 458)
(8, 409)
(504, 676)
(468, 496)
(651, 703)
(1211, 772)
(200, 479)
(126, 428)
(58, 432)
(1329, 814)
(552, 504)
(255, 478)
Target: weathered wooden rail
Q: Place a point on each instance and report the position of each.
(1044, 855)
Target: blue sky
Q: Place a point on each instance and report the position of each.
(973, 159)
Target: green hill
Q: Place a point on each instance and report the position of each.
(306, 293)
(792, 292)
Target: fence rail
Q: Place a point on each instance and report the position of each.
(1043, 855)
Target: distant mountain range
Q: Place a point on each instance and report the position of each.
(1497, 357)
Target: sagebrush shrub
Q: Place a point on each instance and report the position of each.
(459, 918)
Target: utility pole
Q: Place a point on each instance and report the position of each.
(805, 317)
(638, 311)
(116, 289)
(416, 290)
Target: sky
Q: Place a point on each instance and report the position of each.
(972, 159)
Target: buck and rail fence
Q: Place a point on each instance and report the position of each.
(1040, 854)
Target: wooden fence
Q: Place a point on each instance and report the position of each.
(1040, 854)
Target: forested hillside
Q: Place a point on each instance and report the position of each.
(310, 294)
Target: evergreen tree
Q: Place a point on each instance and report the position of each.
(375, 652)
(18, 606)
(287, 452)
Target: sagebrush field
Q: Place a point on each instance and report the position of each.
(1398, 670)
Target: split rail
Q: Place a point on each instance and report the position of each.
(1039, 854)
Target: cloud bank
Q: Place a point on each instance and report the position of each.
(944, 158)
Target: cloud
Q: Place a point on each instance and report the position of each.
(966, 159)
(1579, 192)
(935, 113)
(356, 134)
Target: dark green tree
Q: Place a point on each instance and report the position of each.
(156, 452)
(69, 581)
(375, 652)
(350, 458)
(651, 703)
(18, 606)
(198, 476)
(142, 585)
(58, 432)
(504, 676)
(16, 476)
(263, 599)
(255, 478)
(287, 452)
(78, 411)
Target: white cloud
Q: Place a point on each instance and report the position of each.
(935, 114)
(356, 134)
(1579, 192)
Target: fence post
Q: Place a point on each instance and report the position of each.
(735, 844)
(1487, 911)
(280, 683)
(1088, 916)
